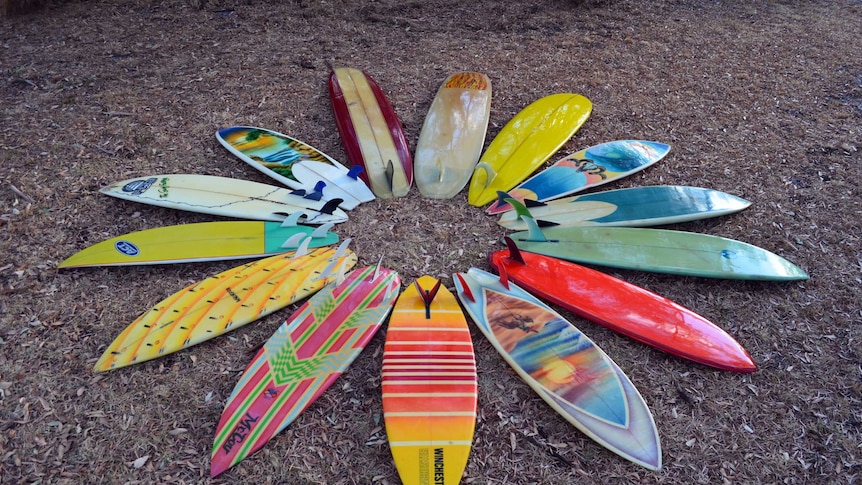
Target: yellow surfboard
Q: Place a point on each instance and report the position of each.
(224, 302)
(525, 143)
(429, 385)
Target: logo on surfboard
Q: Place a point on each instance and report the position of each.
(127, 248)
(138, 187)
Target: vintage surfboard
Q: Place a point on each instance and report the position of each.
(224, 302)
(657, 250)
(565, 368)
(652, 205)
(587, 168)
(338, 183)
(301, 360)
(371, 132)
(452, 135)
(623, 307)
(228, 197)
(273, 153)
(204, 241)
(529, 139)
(429, 385)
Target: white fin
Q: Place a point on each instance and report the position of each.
(342, 249)
(342, 272)
(322, 230)
(292, 219)
(327, 272)
(293, 241)
(377, 270)
(302, 250)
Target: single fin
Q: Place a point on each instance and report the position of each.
(322, 230)
(330, 206)
(534, 232)
(427, 296)
(302, 250)
(465, 288)
(514, 252)
(354, 171)
(293, 241)
(342, 249)
(490, 173)
(504, 276)
(440, 168)
(292, 219)
(390, 174)
(377, 269)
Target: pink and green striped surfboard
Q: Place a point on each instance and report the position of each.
(301, 360)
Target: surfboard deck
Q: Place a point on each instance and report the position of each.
(529, 139)
(653, 205)
(222, 303)
(273, 153)
(223, 196)
(565, 368)
(661, 251)
(452, 135)
(624, 308)
(587, 168)
(204, 241)
(429, 385)
(339, 183)
(371, 132)
(301, 360)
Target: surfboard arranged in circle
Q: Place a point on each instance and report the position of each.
(371, 132)
(429, 385)
(338, 183)
(529, 139)
(452, 135)
(228, 197)
(224, 302)
(301, 360)
(565, 368)
(590, 167)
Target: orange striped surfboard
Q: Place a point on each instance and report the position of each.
(429, 385)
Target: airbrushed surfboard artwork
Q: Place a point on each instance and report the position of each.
(529, 139)
(453, 134)
(338, 182)
(657, 250)
(228, 197)
(371, 132)
(652, 205)
(429, 385)
(623, 307)
(565, 368)
(590, 167)
(273, 153)
(204, 241)
(224, 302)
(301, 360)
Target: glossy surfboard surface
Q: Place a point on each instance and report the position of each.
(624, 308)
(661, 251)
(653, 205)
(529, 139)
(452, 135)
(272, 153)
(565, 368)
(429, 385)
(301, 360)
(228, 197)
(204, 241)
(585, 169)
(222, 303)
(339, 183)
(371, 132)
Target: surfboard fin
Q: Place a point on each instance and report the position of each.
(293, 241)
(514, 252)
(504, 276)
(377, 269)
(465, 288)
(342, 272)
(322, 230)
(299, 192)
(330, 206)
(354, 171)
(534, 232)
(302, 250)
(292, 219)
(327, 272)
(530, 203)
(427, 296)
(490, 173)
(317, 193)
(390, 174)
(342, 249)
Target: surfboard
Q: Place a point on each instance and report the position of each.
(657, 250)
(339, 183)
(371, 132)
(273, 153)
(429, 385)
(565, 368)
(623, 307)
(224, 302)
(652, 205)
(529, 139)
(301, 360)
(587, 168)
(452, 136)
(228, 197)
(204, 241)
